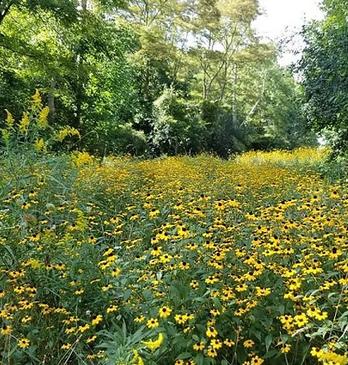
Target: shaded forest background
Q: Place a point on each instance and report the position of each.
(151, 77)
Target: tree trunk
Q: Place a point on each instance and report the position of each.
(79, 91)
(5, 8)
(51, 101)
(234, 95)
(84, 5)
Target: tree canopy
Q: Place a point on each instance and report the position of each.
(324, 68)
(150, 75)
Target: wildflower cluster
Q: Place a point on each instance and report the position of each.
(32, 130)
(172, 261)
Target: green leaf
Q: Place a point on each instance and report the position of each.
(268, 341)
(270, 354)
(199, 359)
(184, 355)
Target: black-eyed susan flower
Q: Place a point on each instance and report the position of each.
(111, 308)
(199, 346)
(285, 348)
(179, 362)
(164, 312)
(6, 330)
(91, 339)
(211, 352)
(23, 343)
(216, 343)
(83, 328)
(152, 323)
(66, 346)
(248, 344)
(228, 342)
(96, 320)
(256, 360)
(211, 332)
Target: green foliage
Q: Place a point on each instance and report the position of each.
(86, 80)
(109, 137)
(109, 67)
(325, 74)
(64, 11)
(93, 250)
(120, 344)
(177, 127)
(32, 133)
(226, 132)
(335, 168)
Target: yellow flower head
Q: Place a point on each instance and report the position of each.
(66, 132)
(39, 145)
(24, 124)
(6, 330)
(66, 346)
(154, 345)
(81, 158)
(36, 99)
(248, 344)
(97, 320)
(211, 331)
(23, 343)
(112, 308)
(164, 312)
(91, 339)
(42, 122)
(84, 328)
(137, 360)
(9, 119)
(152, 323)
(199, 346)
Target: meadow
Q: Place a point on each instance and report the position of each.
(142, 221)
(177, 260)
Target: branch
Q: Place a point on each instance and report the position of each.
(5, 9)
(23, 49)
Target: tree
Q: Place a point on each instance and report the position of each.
(324, 69)
(177, 125)
(186, 76)
(222, 30)
(85, 77)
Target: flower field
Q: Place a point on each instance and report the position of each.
(172, 261)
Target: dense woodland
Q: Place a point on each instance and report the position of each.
(171, 77)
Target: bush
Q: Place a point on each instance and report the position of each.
(112, 138)
(177, 126)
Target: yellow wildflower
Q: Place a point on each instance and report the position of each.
(39, 145)
(97, 320)
(36, 99)
(42, 120)
(154, 345)
(23, 343)
(24, 124)
(9, 119)
(137, 360)
(164, 312)
(152, 323)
